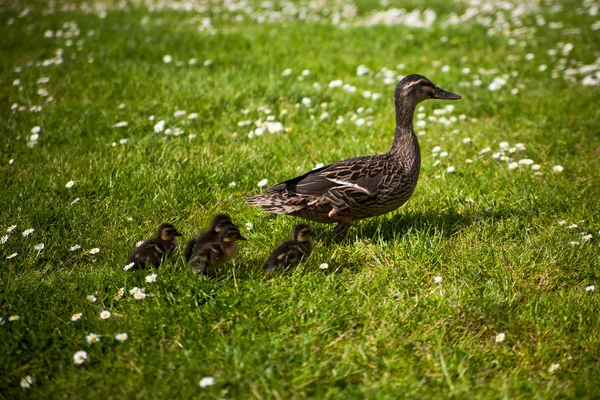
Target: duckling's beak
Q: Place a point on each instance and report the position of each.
(445, 95)
(240, 237)
(178, 234)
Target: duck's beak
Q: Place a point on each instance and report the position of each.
(445, 95)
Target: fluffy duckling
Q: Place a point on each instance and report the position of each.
(210, 256)
(291, 252)
(155, 250)
(207, 236)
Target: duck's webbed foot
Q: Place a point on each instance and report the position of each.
(341, 229)
(343, 223)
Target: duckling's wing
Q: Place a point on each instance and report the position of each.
(284, 256)
(189, 249)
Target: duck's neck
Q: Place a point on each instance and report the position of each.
(405, 141)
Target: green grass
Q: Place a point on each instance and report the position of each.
(374, 324)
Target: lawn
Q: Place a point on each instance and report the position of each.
(119, 116)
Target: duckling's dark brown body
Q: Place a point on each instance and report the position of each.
(207, 236)
(208, 257)
(360, 187)
(291, 252)
(155, 250)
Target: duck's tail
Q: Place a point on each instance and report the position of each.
(275, 203)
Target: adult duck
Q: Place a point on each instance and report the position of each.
(361, 187)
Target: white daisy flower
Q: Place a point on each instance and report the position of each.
(95, 250)
(92, 338)
(121, 337)
(232, 185)
(500, 337)
(513, 165)
(263, 183)
(249, 226)
(536, 167)
(120, 293)
(70, 184)
(151, 278)
(121, 124)
(324, 266)
(167, 59)
(76, 316)
(13, 255)
(80, 357)
(4, 239)
(437, 279)
(450, 169)
(73, 248)
(26, 382)
(128, 266)
(557, 168)
(11, 228)
(39, 246)
(139, 295)
(13, 318)
(590, 288)
(28, 232)
(35, 129)
(553, 367)
(306, 102)
(286, 72)
(207, 381)
(159, 126)
(105, 314)
(587, 237)
(139, 243)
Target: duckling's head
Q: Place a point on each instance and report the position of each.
(230, 234)
(167, 232)
(301, 233)
(416, 88)
(219, 221)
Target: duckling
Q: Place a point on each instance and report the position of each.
(155, 250)
(207, 236)
(291, 252)
(361, 187)
(210, 256)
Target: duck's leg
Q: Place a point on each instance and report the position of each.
(343, 223)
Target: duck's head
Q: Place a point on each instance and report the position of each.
(301, 233)
(416, 88)
(167, 232)
(219, 221)
(230, 234)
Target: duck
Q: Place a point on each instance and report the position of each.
(155, 250)
(211, 255)
(209, 235)
(291, 252)
(360, 187)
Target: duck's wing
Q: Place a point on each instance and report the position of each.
(361, 175)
